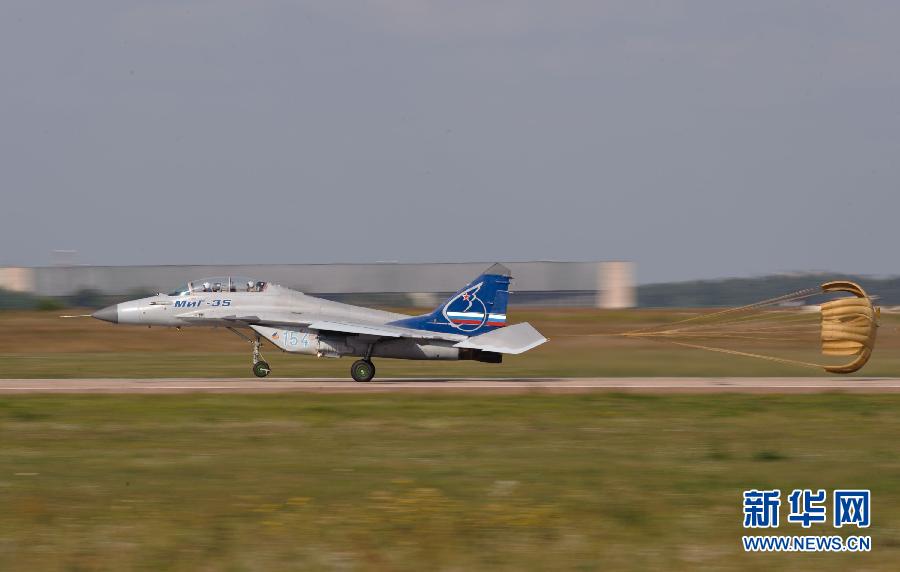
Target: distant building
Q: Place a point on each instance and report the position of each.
(592, 284)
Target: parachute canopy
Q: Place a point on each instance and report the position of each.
(846, 327)
(849, 326)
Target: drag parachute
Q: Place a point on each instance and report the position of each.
(845, 327)
(849, 326)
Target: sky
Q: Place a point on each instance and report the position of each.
(698, 139)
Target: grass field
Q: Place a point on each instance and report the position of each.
(39, 344)
(425, 482)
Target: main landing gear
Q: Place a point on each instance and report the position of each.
(363, 370)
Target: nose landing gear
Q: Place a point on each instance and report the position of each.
(261, 369)
(260, 366)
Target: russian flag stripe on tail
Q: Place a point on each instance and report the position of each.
(496, 320)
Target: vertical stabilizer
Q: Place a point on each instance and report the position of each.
(477, 308)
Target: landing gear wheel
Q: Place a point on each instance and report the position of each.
(261, 369)
(362, 370)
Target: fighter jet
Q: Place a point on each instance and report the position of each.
(470, 325)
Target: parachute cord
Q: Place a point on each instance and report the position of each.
(771, 301)
(746, 354)
(773, 336)
(785, 324)
(794, 328)
(781, 315)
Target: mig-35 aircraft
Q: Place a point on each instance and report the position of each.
(470, 325)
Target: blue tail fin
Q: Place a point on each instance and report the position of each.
(478, 308)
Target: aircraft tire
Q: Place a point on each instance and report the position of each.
(362, 370)
(261, 369)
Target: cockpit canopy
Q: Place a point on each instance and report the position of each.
(220, 284)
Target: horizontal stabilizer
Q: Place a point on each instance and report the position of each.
(509, 340)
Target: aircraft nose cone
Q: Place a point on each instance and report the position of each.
(108, 314)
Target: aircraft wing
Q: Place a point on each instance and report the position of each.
(381, 330)
(291, 320)
(273, 319)
(513, 339)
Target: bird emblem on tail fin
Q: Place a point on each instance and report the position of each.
(465, 311)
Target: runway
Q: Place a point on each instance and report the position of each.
(774, 385)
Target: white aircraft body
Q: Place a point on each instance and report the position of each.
(470, 325)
